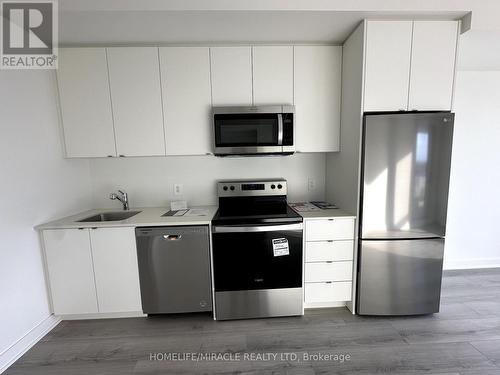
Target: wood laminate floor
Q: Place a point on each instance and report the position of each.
(463, 339)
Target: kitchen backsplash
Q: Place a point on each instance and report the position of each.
(149, 180)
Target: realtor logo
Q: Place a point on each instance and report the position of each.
(29, 35)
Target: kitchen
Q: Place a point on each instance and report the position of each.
(143, 119)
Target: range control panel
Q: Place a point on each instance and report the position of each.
(245, 188)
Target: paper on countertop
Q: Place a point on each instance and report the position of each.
(324, 205)
(304, 207)
(197, 212)
(180, 213)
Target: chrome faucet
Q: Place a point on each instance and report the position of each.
(122, 197)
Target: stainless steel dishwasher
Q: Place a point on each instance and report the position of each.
(174, 269)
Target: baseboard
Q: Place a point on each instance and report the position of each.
(320, 305)
(25, 343)
(463, 264)
(129, 314)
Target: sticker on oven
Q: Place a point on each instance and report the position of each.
(280, 247)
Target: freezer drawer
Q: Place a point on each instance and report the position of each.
(400, 277)
(174, 269)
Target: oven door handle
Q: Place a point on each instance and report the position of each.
(256, 228)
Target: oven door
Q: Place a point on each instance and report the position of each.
(257, 257)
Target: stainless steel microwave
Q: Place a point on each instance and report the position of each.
(257, 130)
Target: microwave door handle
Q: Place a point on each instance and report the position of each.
(280, 129)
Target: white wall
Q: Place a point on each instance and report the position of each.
(474, 205)
(149, 181)
(37, 185)
(479, 50)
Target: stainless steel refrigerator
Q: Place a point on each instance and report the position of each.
(404, 194)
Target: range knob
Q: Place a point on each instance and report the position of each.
(280, 186)
(273, 186)
(232, 187)
(225, 188)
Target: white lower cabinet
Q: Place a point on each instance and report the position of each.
(92, 270)
(115, 269)
(70, 271)
(328, 269)
(330, 229)
(328, 291)
(324, 251)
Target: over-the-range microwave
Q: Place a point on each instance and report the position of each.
(256, 130)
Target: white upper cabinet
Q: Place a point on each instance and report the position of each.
(116, 270)
(134, 79)
(231, 72)
(272, 75)
(185, 82)
(85, 102)
(317, 79)
(387, 67)
(410, 65)
(433, 65)
(70, 271)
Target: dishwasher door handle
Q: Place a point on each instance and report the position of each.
(256, 228)
(172, 237)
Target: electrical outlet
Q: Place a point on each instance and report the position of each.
(178, 188)
(311, 184)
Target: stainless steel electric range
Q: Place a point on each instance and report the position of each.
(257, 251)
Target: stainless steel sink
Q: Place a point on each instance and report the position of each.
(109, 216)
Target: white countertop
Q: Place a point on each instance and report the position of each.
(326, 214)
(149, 216)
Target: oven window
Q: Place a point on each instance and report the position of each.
(246, 261)
(246, 130)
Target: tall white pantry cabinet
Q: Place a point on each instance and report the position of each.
(391, 65)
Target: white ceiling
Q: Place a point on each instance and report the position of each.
(185, 27)
(127, 22)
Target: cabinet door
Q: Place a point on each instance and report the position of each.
(185, 79)
(83, 83)
(70, 271)
(317, 76)
(231, 70)
(116, 271)
(432, 65)
(387, 65)
(134, 78)
(272, 75)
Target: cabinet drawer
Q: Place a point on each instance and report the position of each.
(330, 229)
(328, 292)
(321, 251)
(328, 271)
